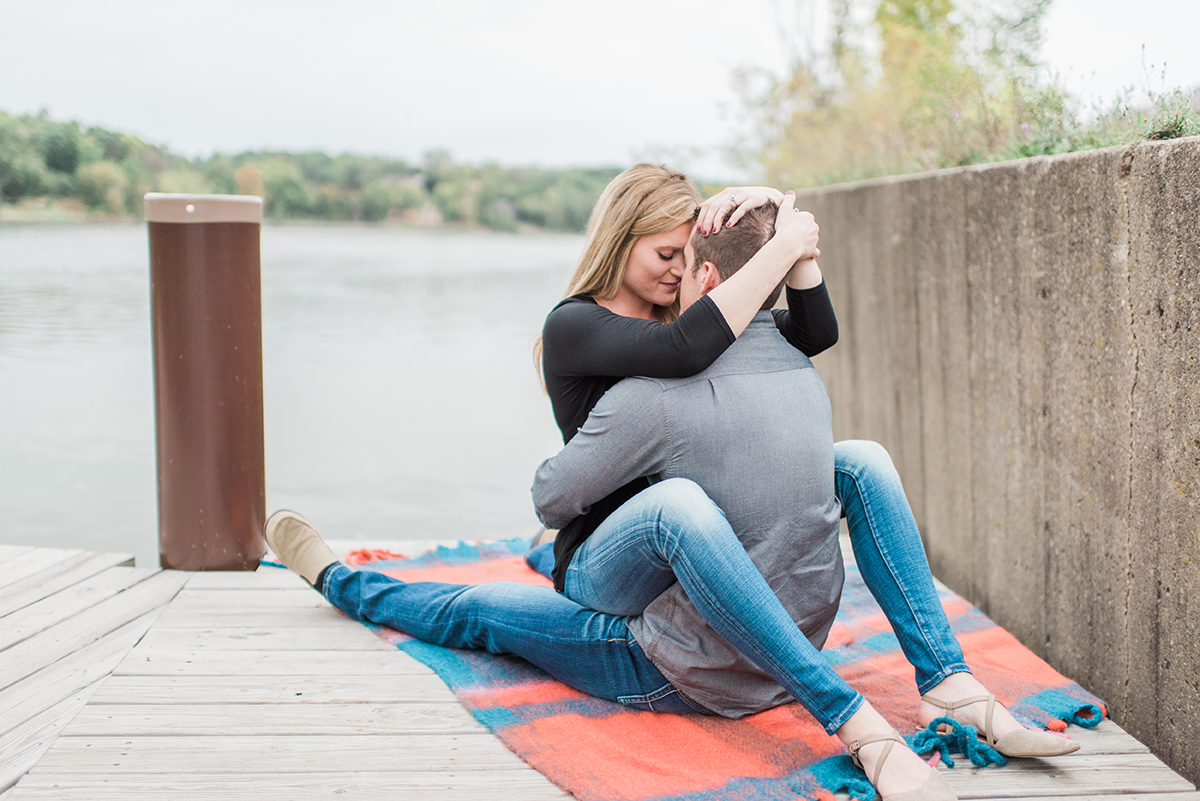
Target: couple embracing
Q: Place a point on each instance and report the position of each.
(697, 568)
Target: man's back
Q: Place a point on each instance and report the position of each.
(754, 431)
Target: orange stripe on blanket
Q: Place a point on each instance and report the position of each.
(511, 569)
(542, 692)
(792, 722)
(889, 682)
(956, 605)
(998, 659)
(866, 626)
(632, 755)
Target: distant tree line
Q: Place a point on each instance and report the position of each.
(109, 172)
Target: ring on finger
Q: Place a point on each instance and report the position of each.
(733, 199)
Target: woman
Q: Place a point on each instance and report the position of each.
(621, 314)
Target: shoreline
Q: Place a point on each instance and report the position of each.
(61, 212)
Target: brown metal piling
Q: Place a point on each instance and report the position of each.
(206, 317)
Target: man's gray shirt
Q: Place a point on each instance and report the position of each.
(754, 431)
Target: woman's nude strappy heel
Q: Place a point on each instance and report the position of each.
(1023, 743)
(934, 788)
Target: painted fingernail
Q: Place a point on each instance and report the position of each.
(699, 229)
(790, 192)
(715, 228)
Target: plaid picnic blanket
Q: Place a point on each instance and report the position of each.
(599, 750)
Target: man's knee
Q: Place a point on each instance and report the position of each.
(862, 458)
(685, 495)
(685, 508)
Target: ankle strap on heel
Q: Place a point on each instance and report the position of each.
(856, 746)
(951, 706)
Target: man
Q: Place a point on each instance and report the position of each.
(755, 432)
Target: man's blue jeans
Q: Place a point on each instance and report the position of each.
(588, 650)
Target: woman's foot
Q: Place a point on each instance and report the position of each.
(897, 773)
(298, 545)
(962, 697)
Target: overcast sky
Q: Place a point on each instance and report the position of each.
(549, 82)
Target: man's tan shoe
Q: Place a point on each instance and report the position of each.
(543, 536)
(298, 545)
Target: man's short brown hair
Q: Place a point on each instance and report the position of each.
(730, 248)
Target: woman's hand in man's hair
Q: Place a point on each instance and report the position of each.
(727, 206)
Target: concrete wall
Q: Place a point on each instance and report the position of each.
(1023, 338)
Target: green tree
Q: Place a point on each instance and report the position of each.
(185, 181)
(219, 174)
(21, 171)
(60, 147)
(102, 187)
(408, 195)
(500, 215)
(331, 203)
(376, 202)
(287, 192)
(113, 146)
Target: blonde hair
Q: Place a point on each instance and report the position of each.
(644, 200)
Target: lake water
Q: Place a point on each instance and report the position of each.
(400, 396)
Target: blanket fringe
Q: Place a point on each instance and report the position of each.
(960, 739)
(840, 775)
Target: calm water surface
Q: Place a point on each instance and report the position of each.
(400, 396)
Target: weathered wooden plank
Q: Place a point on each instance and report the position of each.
(1146, 794)
(333, 689)
(469, 785)
(46, 582)
(1107, 738)
(72, 755)
(266, 577)
(33, 561)
(68, 602)
(301, 754)
(272, 720)
(33, 695)
(23, 745)
(58, 641)
(247, 599)
(343, 635)
(143, 662)
(1073, 775)
(192, 618)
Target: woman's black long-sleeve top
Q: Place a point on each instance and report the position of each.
(586, 349)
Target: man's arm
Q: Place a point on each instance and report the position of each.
(624, 438)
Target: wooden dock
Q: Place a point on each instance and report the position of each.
(119, 682)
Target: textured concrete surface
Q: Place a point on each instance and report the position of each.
(1023, 338)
